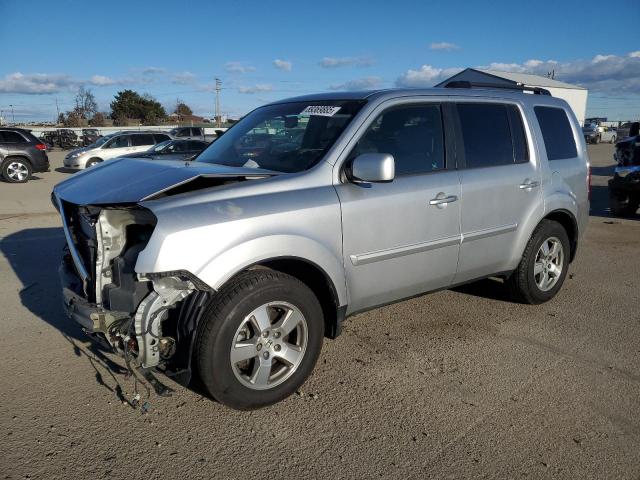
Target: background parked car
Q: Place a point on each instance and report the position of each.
(624, 187)
(89, 136)
(117, 145)
(594, 133)
(66, 138)
(192, 133)
(172, 150)
(21, 154)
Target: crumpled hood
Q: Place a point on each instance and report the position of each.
(130, 181)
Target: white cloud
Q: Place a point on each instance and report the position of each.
(36, 83)
(604, 73)
(260, 87)
(102, 81)
(282, 65)
(425, 76)
(183, 78)
(358, 84)
(153, 70)
(238, 67)
(444, 46)
(335, 62)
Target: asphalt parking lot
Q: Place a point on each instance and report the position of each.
(457, 384)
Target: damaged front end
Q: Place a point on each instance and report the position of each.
(136, 314)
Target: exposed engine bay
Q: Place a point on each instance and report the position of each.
(135, 314)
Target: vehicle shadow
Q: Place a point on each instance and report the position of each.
(491, 288)
(34, 255)
(65, 170)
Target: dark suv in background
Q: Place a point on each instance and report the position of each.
(21, 154)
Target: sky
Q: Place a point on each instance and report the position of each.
(269, 50)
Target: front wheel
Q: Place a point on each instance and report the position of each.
(622, 205)
(613, 139)
(260, 339)
(16, 170)
(544, 265)
(91, 162)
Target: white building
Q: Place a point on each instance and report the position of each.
(575, 96)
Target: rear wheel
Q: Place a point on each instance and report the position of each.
(260, 339)
(544, 265)
(16, 170)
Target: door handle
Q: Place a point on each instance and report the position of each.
(441, 200)
(528, 184)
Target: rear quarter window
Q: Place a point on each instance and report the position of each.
(12, 137)
(556, 133)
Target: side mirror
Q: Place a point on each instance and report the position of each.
(373, 168)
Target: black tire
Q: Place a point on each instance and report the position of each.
(224, 316)
(92, 161)
(613, 139)
(9, 173)
(521, 282)
(622, 205)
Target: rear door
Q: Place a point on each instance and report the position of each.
(402, 238)
(141, 142)
(500, 185)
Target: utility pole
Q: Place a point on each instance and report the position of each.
(13, 115)
(57, 110)
(218, 88)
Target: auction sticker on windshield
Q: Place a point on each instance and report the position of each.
(322, 110)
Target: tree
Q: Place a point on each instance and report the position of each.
(61, 119)
(97, 120)
(130, 104)
(86, 105)
(182, 108)
(74, 119)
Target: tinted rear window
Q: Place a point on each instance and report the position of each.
(556, 132)
(142, 139)
(486, 134)
(12, 137)
(161, 137)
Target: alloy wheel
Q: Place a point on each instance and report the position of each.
(269, 345)
(17, 171)
(549, 263)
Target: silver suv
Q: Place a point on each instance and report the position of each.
(311, 209)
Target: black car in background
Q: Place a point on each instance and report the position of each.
(624, 187)
(21, 154)
(172, 150)
(89, 136)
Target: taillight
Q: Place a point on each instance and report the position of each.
(589, 180)
(41, 146)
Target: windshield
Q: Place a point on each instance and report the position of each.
(288, 137)
(100, 141)
(160, 146)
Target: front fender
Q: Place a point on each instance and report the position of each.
(225, 265)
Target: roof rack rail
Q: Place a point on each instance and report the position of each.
(522, 88)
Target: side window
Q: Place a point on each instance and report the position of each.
(195, 132)
(141, 139)
(180, 146)
(556, 132)
(159, 137)
(183, 132)
(413, 134)
(119, 142)
(486, 134)
(520, 149)
(12, 137)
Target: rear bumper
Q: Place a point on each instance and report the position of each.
(40, 162)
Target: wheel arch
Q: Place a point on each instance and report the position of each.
(14, 156)
(570, 224)
(318, 281)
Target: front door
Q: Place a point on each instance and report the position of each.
(402, 238)
(500, 186)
